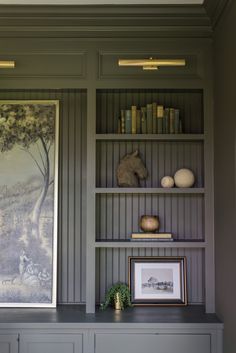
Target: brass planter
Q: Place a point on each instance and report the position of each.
(117, 301)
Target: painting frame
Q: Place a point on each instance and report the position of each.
(145, 288)
(54, 131)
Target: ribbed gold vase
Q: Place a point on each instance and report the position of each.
(117, 301)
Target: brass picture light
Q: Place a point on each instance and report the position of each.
(152, 64)
(7, 64)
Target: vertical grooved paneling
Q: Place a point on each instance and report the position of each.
(160, 159)
(117, 271)
(72, 179)
(119, 214)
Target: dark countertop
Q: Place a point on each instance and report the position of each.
(75, 316)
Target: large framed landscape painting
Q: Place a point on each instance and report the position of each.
(28, 202)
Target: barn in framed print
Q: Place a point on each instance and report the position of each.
(28, 202)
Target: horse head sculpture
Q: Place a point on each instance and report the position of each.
(130, 170)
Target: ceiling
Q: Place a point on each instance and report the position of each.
(99, 2)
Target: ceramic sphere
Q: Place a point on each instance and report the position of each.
(167, 182)
(149, 223)
(184, 178)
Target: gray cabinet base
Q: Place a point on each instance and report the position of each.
(68, 329)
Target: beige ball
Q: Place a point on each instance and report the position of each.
(167, 182)
(184, 178)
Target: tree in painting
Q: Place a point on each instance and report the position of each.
(26, 125)
(26, 205)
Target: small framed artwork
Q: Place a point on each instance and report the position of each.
(158, 280)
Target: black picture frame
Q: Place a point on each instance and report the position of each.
(149, 292)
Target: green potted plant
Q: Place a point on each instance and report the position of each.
(118, 296)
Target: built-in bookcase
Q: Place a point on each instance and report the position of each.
(117, 210)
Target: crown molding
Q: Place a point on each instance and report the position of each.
(104, 21)
(215, 9)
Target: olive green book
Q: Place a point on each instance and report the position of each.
(149, 119)
(172, 121)
(122, 122)
(134, 119)
(154, 118)
(143, 120)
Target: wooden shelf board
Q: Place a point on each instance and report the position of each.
(150, 244)
(161, 137)
(149, 190)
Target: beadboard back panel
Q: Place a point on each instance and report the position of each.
(72, 181)
(112, 267)
(118, 215)
(160, 159)
(111, 101)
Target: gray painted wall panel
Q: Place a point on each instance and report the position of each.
(72, 179)
(225, 172)
(118, 215)
(160, 158)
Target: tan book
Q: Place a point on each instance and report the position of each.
(134, 119)
(160, 115)
(160, 111)
(151, 236)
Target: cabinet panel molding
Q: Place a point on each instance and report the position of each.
(51, 343)
(152, 343)
(9, 343)
(43, 64)
(108, 65)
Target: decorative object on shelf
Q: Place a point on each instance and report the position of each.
(158, 280)
(117, 301)
(118, 296)
(149, 224)
(28, 206)
(130, 170)
(7, 64)
(152, 64)
(184, 178)
(167, 182)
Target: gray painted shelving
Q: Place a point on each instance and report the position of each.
(151, 137)
(117, 210)
(149, 191)
(149, 244)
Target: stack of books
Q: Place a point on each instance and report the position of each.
(151, 119)
(151, 237)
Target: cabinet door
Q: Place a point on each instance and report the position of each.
(9, 343)
(152, 343)
(51, 343)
